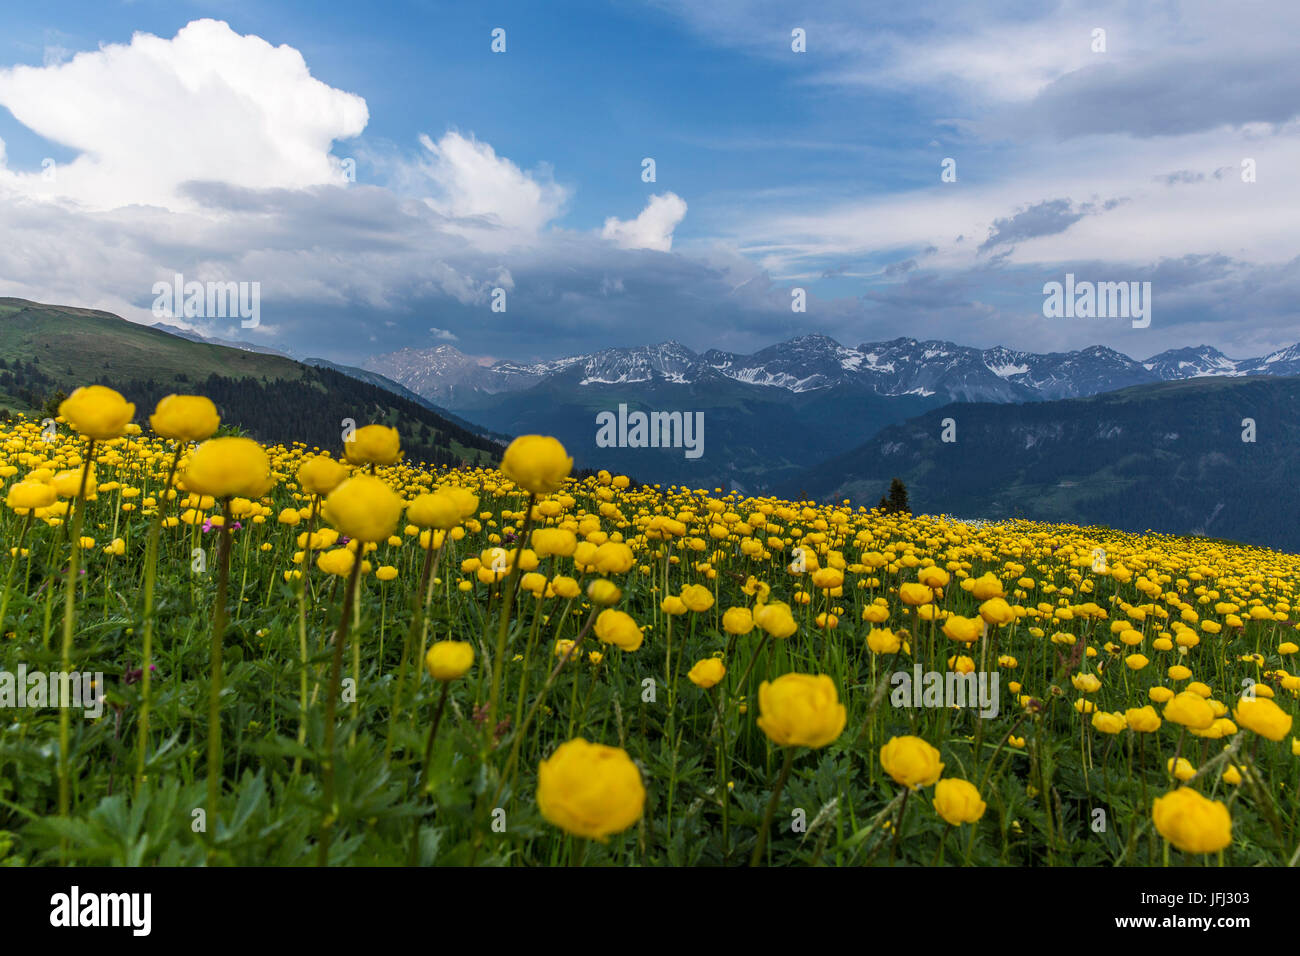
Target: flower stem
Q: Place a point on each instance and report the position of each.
(771, 807)
(331, 709)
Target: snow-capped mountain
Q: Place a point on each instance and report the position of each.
(902, 366)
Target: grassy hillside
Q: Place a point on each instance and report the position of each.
(1167, 457)
(49, 350)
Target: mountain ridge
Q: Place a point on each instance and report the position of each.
(896, 367)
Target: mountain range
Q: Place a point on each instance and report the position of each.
(902, 366)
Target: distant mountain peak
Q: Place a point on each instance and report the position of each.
(813, 361)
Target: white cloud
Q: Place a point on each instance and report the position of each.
(444, 335)
(652, 229)
(486, 194)
(207, 105)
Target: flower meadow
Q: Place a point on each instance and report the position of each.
(339, 657)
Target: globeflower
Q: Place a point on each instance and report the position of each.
(1191, 822)
(364, 507)
(25, 496)
(1108, 723)
(1190, 710)
(185, 418)
(801, 710)
(436, 510)
(449, 660)
(1143, 720)
(776, 619)
(1263, 717)
(554, 541)
(590, 790)
(997, 611)
(229, 467)
(883, 641)
(321, 475)
(697, 598)
(98, 412)
(915, 594)
(707, 673)
(536, 463)
(911, 762)
(618, 628)
(737, 620)
(958, 801)
(373, 445)
(964, 629)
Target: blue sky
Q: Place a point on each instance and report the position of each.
(204, 138)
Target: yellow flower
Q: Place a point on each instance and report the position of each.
(448, 660)
(1088, 683)
(958, 801)
(613, 557)
(707, 672)
(828, 578)
(1143, 720)
(339, 561)
(964, 629)
(1183, 770)
(737, 620)
(1190, 710)
(1136, 662)
(776, 619)
(386, 572)
(914, 594)
(23, 496)
(554, 541)
(875, 613)
(986, 586)
(566, 587)
(1192, 822)
(363, 507)
(883, 641)
(801, 710)
(321, 475)
(97, 412)
(911, 761)
(229, 467)
(931, 577)
(673, 606)
(1263, 717)
(1108, 723)
(618, 628)
(590, 790)
(697, 597)
(436, 510)
(373, 445)
(185, 418)
(536, 463)
(997, 611)
(601, 591)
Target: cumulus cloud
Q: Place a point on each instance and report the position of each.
(652, 229)
(484, 195)
(207, 105)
